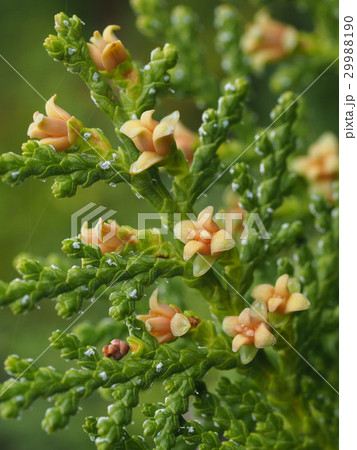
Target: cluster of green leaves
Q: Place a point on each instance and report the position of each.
(229, 26)
(181, 370)
(84, 164)
(252, 409)
(71, 169)
(263, 195)
(241, 412)
(123, 273)
(181, 26)
(317, 49)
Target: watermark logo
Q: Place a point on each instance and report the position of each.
(229, 221)
(90, 213)
(232, 222)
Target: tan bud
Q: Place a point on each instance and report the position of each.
(263, 292)
(162, 137)
(240, 340)
(296, 302)
(263, 337)
(147, 121)
(145, 160)
(244, 317)
(159, 325)
(274, 303)
(230, 324)
(221, 242)
(194, 247)
(281, 286)
(108, 33)
(113, 55)
(180, 324)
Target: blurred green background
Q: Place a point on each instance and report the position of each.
(32, 220)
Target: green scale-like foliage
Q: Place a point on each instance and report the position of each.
(277, 401)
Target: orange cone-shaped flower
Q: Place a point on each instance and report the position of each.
(58, 129)
(320, 166)
(203, 237)
(106, 236)
(249, 328)
(267, 40)
(106, 50)
(165, 322)
(284, 297)
(152, 138)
